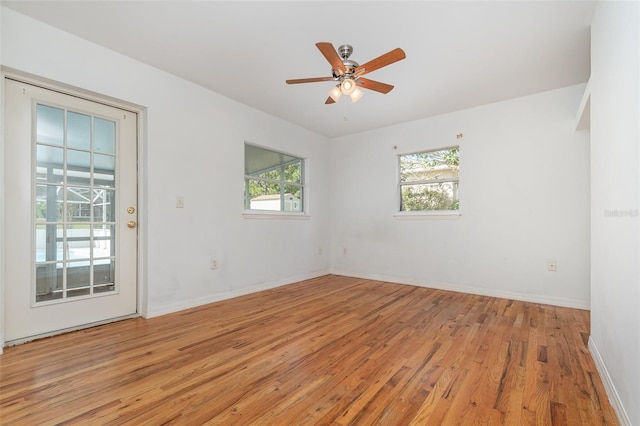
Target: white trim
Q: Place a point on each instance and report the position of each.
(480, 291)
(2, 203)
(204, 300)
(66, 89)
(428, 215)
(266, 214)
(609, 387)
(142, 216)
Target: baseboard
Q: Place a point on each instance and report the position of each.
(609, 387)
(533, 298)
(154, 311)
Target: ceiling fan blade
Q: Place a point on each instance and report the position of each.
(329, 101)
(332, 56)
(309, 80)
(388, 58)
(374, 85)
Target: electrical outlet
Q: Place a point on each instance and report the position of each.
(214, 263)
(319, 251)
(552, 265)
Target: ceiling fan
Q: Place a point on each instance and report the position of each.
(348, 74)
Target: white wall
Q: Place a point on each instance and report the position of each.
(524, 198)
(194, 147)
(615, 176)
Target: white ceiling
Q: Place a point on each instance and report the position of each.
(459, 54)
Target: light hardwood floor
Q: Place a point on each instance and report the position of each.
(331, 350)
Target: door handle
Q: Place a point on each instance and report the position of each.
(131, 224)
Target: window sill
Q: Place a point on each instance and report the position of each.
(429, 215)
(267, 214)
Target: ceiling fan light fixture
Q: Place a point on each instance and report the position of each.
(348, 86)
(356, 95)
(335, 93)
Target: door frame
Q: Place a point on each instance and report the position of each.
(140, 111)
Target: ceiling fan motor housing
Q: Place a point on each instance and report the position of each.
(350, 66)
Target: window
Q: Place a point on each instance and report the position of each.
(272, 180)
(429, 180)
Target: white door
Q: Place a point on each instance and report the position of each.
(70, 211)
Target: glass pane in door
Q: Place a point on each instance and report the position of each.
(75, 191)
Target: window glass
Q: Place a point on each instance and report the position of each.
(429, 180)
(273, 180)
(75, 195)
(49, 125)
(78, 131)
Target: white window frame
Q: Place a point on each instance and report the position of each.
(424, 214)
(249, 213)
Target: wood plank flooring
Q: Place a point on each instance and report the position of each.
(332, 350)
